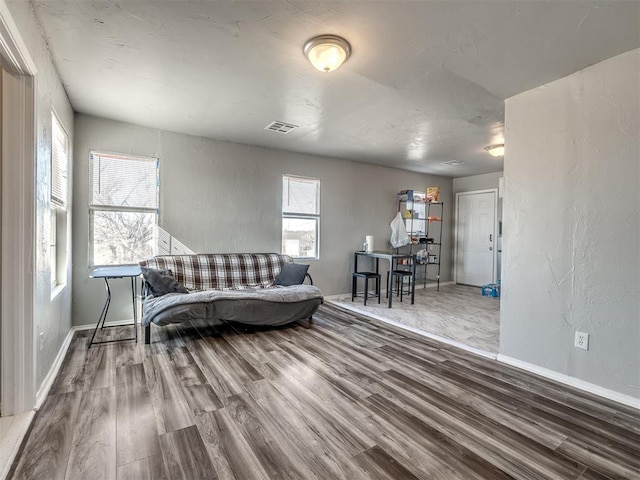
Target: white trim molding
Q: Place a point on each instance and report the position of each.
(572, 381)
(47, 383)
(14, 56)
(18, 249)
(18, 376)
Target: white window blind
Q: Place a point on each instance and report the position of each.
(59, 164)
(300, 195)
(124, 181)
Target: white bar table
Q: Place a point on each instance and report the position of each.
(391, 258)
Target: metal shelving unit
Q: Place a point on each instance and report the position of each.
(423, 222)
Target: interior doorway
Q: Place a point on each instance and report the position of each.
(475, 237)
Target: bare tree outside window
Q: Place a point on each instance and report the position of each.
(124, 208)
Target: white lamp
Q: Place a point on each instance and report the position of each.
(327, 52)
(496, 150)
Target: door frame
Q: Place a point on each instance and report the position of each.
(17, 237)
(494, 262)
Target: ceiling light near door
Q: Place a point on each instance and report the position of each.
(496, 150)
(327, 52)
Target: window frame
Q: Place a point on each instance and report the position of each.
(59, 205)
(93, 208)
(302, 216)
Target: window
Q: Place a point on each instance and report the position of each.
(59, 202)
(123, 209)
(300, 217)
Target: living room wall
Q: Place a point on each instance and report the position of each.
(223, 197)
(572, 226)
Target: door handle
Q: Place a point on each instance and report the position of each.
(490, 248)
(491, 237)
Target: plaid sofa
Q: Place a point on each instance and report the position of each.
(238, 287)
(222, 271)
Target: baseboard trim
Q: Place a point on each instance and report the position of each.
(117, 323)
(43, 391)
(572, 381)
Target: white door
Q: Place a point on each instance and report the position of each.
(475, 237)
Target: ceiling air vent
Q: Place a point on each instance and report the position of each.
(453, 163)
(280, 127)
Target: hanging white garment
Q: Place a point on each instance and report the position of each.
(399, 235)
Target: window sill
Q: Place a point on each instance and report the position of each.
(56, 291)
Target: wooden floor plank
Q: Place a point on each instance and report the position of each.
(171, 409)
(507, 417)
(381, 465)
(554, 413)
(149, 468)
(257, 433)
(100, 367)
(498, 439)
(298, 431)
(427, 436)
(50, 438)
(425, 460)
(185, 455)
(347, 397)
(71, 376)
(223, 380)
(326, 385)
(343, 430)
(137, 435)
(227, 443)
(93, 450)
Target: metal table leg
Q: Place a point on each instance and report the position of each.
(390, 283)
(413, 280)
(105, 309)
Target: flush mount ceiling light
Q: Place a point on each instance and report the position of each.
(327, 52)
(496, 150)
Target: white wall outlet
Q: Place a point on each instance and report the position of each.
(582, 340)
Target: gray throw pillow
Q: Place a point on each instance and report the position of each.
(161, 282)
(292, 274)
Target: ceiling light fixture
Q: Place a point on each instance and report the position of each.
(327, 52)
(496, 150)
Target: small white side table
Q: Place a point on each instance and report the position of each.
(108, 273)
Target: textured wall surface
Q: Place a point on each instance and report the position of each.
(226, 197)
(52, 315)
(572, 223)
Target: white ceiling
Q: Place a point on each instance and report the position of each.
(425, 85)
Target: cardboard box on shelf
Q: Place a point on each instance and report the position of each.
(433, 194)
(405, 195)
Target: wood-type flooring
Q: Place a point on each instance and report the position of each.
(348, 398)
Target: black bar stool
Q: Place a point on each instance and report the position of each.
(366, 276)
(398, 277)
